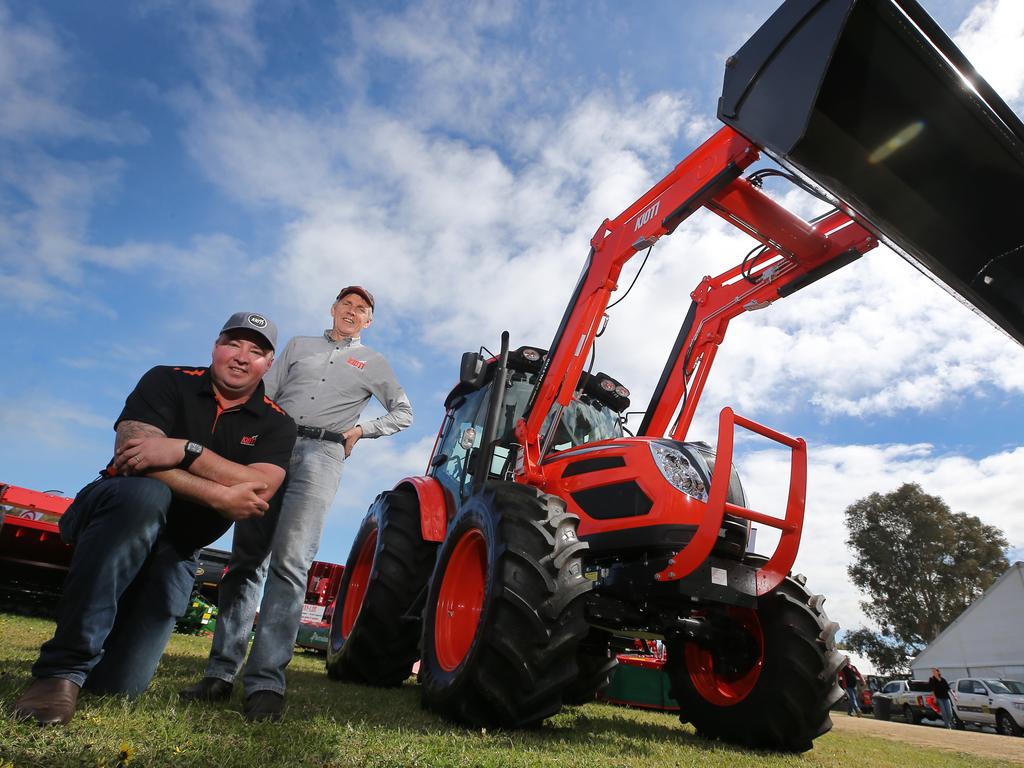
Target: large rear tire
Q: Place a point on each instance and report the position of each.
(375, 629)
(780, 699)
(504, 613)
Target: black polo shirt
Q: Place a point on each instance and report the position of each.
(181, 403)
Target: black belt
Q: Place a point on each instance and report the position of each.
(319, 433)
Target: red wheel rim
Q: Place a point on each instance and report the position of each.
(725, 689)
(460, 600)
(357, 584)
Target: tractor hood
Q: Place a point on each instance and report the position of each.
(871, 101)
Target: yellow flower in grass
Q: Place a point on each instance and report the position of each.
(125, 751)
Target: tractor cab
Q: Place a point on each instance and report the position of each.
(594, 414)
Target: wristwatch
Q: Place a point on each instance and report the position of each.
(192, 451)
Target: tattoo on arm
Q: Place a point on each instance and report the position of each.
(127, 430)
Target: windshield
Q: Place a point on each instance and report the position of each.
(1014, 686)
(996, 687)
(583, 421)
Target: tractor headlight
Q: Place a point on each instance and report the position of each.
(676, 468)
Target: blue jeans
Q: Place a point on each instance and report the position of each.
(124, 590)
(851, 704)
(280, 549)
(946, 710)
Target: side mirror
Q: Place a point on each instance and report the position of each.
(472, 370)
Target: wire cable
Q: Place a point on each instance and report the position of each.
(637, 275)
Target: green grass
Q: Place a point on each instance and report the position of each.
(334, 724)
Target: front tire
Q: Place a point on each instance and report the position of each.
(504, 613)
(375, 628)
(1006, 726)
(780, 697)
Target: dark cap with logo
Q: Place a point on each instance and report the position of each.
(253, 321)
(357, 289)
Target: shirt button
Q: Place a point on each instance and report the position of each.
(323, 379)
(313, 398)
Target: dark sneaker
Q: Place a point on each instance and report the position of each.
(264, 705)
(208, 689)
(48, 701)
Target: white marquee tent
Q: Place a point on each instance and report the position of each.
(986, 640)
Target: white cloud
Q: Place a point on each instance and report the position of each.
(36, 89)
(53, 423)
(992, 37)
(840, 475)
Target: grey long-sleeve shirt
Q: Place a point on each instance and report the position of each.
(320, 382)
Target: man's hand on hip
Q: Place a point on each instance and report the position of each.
(352, 436)
(148, 454)
(238, 502)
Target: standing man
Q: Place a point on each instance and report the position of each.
(196, 449)
(850, 684)
(323, 382)
(938, 686)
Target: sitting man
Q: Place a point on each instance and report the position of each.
(196, 449)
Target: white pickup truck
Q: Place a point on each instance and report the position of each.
(988, 702)
(911, 699)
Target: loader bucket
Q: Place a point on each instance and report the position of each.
(875, 104)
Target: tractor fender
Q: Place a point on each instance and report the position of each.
(433, 504)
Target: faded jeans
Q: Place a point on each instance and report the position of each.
(946, 710)
(280, 549)
(852, 707)
(125, 588)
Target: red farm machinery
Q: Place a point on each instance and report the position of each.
(542, 532)
(33, 559)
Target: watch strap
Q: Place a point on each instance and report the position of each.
(192, 452)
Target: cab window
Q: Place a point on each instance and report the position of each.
(463, 434)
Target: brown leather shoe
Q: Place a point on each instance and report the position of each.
(48, 701)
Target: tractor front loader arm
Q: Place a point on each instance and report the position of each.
(832, 242)
(796, 253)
(690, 185)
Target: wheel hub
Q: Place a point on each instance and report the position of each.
(460, 600)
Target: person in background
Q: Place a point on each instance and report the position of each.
(850, 684)
(195, 450)
(940, 688)
(323, 382)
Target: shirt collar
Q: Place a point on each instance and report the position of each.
(349, 341)
(255, 404)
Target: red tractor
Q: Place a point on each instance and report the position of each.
(541, 530)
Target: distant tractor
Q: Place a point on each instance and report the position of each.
(541, 530)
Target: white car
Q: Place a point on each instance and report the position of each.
(988, 702)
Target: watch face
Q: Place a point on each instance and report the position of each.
(193, 448)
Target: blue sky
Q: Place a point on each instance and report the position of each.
(164, 164)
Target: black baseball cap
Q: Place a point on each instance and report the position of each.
(253, 321)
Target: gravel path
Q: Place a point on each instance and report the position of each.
(969, 742)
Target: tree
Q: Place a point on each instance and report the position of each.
(920, 565)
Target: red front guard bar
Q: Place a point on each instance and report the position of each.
(771, 574)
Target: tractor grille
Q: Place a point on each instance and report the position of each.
(584, 466)
(608, 502)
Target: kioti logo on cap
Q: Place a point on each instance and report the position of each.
(253, 321)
